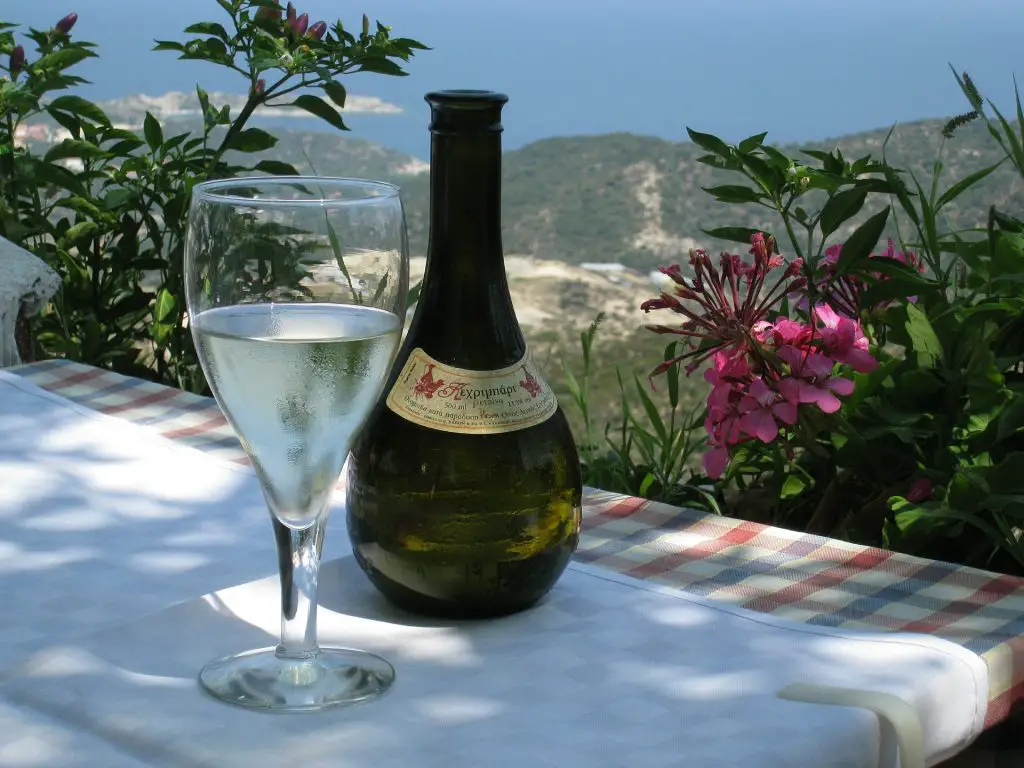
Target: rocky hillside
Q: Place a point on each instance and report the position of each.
(638, 200)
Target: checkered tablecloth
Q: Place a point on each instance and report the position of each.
(794, 575)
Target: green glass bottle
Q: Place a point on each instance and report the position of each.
(464, 488)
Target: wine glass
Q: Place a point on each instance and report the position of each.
(296, 291)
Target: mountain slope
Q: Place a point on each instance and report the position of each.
(638, 200)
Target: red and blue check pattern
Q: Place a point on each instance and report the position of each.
(794, 575)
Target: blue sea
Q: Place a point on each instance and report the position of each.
(801, 69)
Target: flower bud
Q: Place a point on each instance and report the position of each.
(290, 15)
(64, 25)
(318, 30)
(920, 490)
(260, 87)
(299, 25)
(17, 60)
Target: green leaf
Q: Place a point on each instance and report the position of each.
(898, 287)
(175, 141)
(382, 66)
(645, 486)
(251, 140)
(317, 106)
(153, 132)
(48, 173)
(131, 304)
(902, 193)
(69, 122)
(118, 197)
(79, 107)
(381, 287)
(168, 45)
(84, 150)
(673, 375)
(276, 167)
(652, 411)
(1016, 146)
(921, 521)
(63, 58)
(336, 92)
(733, 234)
(709, 143)
(841, 207)
(81, 205)
(963, 185)
(81, 230)
(918, 382)
(753, 142)
(968, 491)
(793, 486)
(414, 294)
(208, 28)
(339, 258)
(1011, 421)
(923, 340)
(124, 147)
(734, 193)
(163, 309)
(1007, 477)
(777, 158)
(727, 163)
(164, 315)
(859, 245)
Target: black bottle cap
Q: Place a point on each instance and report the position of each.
(465, 111)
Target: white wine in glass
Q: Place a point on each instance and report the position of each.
(296, 291)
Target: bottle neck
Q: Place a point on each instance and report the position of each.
(465, 251)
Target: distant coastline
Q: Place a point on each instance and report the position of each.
(178, 104)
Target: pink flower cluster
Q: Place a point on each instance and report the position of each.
(763, 372)
(844, 292)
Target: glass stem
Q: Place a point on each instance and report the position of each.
(298, 553)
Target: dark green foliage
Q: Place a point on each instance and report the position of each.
(114, 228)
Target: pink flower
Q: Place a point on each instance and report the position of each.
(727, 366)
(811, 380)
(715, 460)
(723, 427)
(844, 292)
(832, 254)
(722, 305)
(919, 490)
(729, 375)
(762, 409)
(785, 331)
(843, 339)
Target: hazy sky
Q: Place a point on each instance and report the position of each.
(802, 69)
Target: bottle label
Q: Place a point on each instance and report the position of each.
(439, 396)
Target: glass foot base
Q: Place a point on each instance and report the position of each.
(261, 680)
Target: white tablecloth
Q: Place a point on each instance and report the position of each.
(103, 520)
(106, 522)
